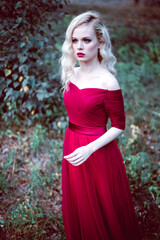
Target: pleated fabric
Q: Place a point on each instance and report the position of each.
(96, 199)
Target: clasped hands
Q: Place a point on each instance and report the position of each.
(79, 156)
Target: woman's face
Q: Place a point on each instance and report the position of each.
(84, 42)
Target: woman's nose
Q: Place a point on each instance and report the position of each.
(80, 45)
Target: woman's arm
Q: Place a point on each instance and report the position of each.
(81, 154)
(106, 138)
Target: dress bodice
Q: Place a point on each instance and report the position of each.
(92, 106)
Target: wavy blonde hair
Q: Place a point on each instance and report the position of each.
(105, 55)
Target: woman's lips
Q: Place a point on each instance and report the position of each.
(80, 54)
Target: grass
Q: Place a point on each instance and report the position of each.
(30, 184)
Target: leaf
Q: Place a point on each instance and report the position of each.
(58, 46)
(41, 44)
(16, 84)
(14, 76)
(20, 78)
(8, 93)
(22, 44)
(2, 79)
(16, 25)
(49, 113)
(25, 81)
(23, 69)
(7, 72)
(8, 81)
(17, 4)
(42, 95)
(29, 105)
(15, 66)
(25, 88)
(19, 20)
(23, 59)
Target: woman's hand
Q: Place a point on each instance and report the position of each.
(79, 156)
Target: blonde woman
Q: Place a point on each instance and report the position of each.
(96, 202)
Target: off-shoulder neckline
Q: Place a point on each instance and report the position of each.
(102, 89)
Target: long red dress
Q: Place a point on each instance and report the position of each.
(96, 199)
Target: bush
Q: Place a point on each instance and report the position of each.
(137, 69)
(30, 44)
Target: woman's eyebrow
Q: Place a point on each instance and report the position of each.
(82, 38)
(87, 37)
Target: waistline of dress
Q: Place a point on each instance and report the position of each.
(95, 131)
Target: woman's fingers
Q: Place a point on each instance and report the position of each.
(68, 157)
(71, 155)
(78, 156)
(77, 162)
(73, 159)
(76, 159)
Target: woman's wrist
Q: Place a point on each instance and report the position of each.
(92, 146)
(106, 138)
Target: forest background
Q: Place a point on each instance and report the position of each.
(33, 118)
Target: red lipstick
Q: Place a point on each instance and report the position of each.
(79, 54)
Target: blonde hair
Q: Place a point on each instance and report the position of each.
(105, 55)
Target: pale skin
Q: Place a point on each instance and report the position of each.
(91, 74)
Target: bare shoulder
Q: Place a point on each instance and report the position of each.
(109, 81)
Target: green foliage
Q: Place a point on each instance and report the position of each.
(139, 167)
(26, 218)
(37, 138)
(30, 45)
(155, 192)
(137, 68)
(34, 214)
(5, 171)
(143, 174)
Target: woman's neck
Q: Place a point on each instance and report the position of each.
(89, 67)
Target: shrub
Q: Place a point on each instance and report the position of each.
(31, 33)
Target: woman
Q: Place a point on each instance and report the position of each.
(96, 202)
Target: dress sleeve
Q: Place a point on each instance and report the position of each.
(114, 106)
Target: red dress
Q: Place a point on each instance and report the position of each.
(96, 199)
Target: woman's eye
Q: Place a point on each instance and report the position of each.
(74, 40)
(87, 40)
